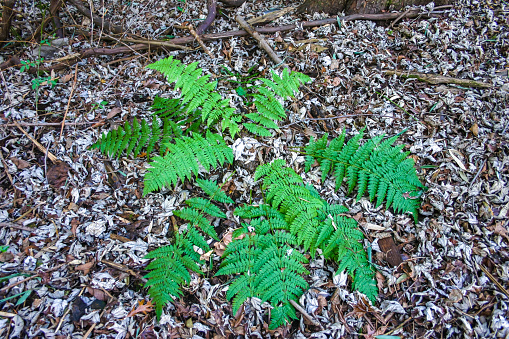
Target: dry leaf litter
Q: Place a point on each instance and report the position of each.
(79, 218)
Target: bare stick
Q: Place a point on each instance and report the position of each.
(41, 148)
(124, 268)
(211, 16)
(439, 79)
(305, 314)
(101, 22)
(49, 124)
(261, 41)
(16, 226)
(69, 101)
(271, 16)
(197, 37)
(7, 171)
(157, 43)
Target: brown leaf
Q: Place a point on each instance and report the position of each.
(57, 174)
(86, 267)
(65, 78)
(474, 129)
(336, 81)
(74, 225)
(6, 256)
(114, 111)
(20, 163)
(391, 251)
(220, 246)
(97, 293)
(142, 308)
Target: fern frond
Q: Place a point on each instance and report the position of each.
(168, 271)
(269, 269)
(376, 167)
(258, 130)
(195, 218)
(183, 159)
(213, 191)
(132, 138)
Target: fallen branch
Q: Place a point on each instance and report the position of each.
(305, 314)
(16, 226)
(49, 124)
(41, 148)
(211, 16)
(96, 19)
(261, 41)
(124, 268)
(439, 79)
(216, 36)
(69, 102)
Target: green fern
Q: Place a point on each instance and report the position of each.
(375, 167)
(184, 158)
(317, 224)
(197, 92)
(268, 108)
(135, 136)
(270, 268)
(169, 269)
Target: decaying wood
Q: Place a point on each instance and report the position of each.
(65, 62)
(305, 314)
(271, 16)
(439, 79)
(99, 21)
(362, 6)
(233, 3)
(7, 14)
(261, 41)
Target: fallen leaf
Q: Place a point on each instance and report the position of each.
(20, 163)
(66, 78)
(336, 82)
(97, 293)
(74, 225)
(391, 251)
(6, 256)
(57, 174)
(86, 267)
(78, 309)
(142, 308)
(114, 111)
(475, 129)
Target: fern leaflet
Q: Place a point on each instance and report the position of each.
(184, 159)
(375, 167)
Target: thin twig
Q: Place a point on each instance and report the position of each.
(69, 101)
(125, 269)
(197, 37)
(8, 287)
(477, 175)
(439, 79)
(494, 280)
(6, 169)
(67, 312)
(93, 326)
(261, 41)
(339, 117)
(43, 149)
(305, 314)
(49, 124)
(16, 226)
(400, 17)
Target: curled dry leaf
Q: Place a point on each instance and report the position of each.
(86, 267)
(142, 308)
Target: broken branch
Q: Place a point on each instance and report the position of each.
(261, 41)
(439, 79)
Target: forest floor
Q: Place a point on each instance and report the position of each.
(74, 229)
